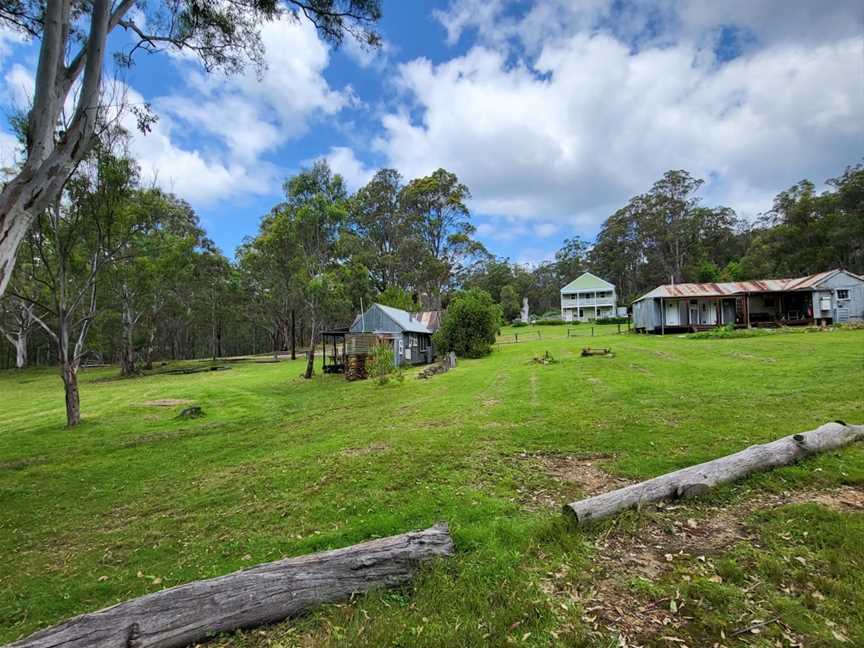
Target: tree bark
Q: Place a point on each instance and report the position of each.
(69, 373)
(695, 480)
(21, 350)
(310, 355)
(293, 336)
(127, 356)
(48, 163)
(264, 594)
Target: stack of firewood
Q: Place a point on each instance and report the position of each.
(356, 369)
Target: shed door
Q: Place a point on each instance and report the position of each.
(672, 318)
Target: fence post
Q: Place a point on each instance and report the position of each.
(592, 331)
(517, 336)
(619, 328)
(539, 337)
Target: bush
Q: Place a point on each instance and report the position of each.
(381, 363)
(470, 325)
(519, 324)
(612, 320)
(550, 322)
(728, 332)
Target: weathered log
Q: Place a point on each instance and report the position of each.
(695, 480)
(263, 594)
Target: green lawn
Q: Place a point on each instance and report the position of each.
(134, 500)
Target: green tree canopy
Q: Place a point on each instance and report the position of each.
(470, 324)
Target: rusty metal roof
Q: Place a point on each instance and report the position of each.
(432, 319)
(731, 288)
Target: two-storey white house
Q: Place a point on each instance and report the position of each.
(587, 297)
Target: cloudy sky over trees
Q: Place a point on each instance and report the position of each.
(554, 113)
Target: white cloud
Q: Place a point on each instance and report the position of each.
(568, 135)
(10, 150)
(20, 86)
(252, 116)
(355, 172)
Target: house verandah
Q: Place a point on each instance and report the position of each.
(749, 309)
(825, 297)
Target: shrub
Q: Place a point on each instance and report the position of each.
(381, 363)
(550, 322)
(612, 320)
(519, 324)
(728, 331)
(470, 325)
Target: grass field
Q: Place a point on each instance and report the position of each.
(134, 500)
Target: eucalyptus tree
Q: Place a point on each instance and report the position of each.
(379, 233)
(155, 261)
(18, 319)
(442, 222)
(313, 214)
(84, 231)
(73, 40)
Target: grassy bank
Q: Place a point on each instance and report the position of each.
(134, 499)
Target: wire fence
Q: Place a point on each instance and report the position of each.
(580, 332)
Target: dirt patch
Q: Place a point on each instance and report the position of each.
(491, 402)
(372, 448)
(673, 534)
(549, 480)
(582, 471)
(595, 381)
(165, 402)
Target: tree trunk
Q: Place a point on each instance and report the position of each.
(127, 354)
(695, 480)
(148, 352)
(310, 355)
(293, 336)
(69, 372)
(49, 164)
(21, 350)
(268, 593)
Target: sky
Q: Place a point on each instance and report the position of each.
(553, 112)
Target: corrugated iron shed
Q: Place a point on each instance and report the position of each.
(732, 288)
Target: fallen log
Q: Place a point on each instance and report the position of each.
(696, 480)
(263, 594)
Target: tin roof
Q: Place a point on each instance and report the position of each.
(431, 319)
(403, 319)
(731, 288)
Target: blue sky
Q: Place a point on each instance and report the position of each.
(554, 113)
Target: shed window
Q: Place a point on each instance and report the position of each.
(424, 342)
(843, 294)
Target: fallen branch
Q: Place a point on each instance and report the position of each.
(754, 626)
(695, 480)
(263, 594)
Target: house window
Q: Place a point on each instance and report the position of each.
(843, 294)
(424, 343)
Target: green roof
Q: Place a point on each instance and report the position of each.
(588, 281)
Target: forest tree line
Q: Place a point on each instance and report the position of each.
(115, 271)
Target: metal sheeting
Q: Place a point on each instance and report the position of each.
(732, 288)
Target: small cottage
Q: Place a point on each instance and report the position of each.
(825, 297)
(410, 335)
